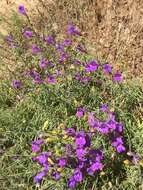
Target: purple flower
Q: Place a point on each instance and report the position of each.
(96, 166)
(80, 112)
(117, 77)
(35, 148)
(62, 162)
(67, 42)
(63, 57)
(80, 141)
(78, 76)
(42, 158)
(80, 153)
(56, 176)
(38, 178)
(95, 155)
(71, 132)
(43, 64)
(91, 66)
(35, 49)
(78, 175)
(35, 145)
(112, 124)
(21, 10)
(51, 79)
(59, 48)
(104, 108)
(118, 144)
(107, 68)
(119, 127)
(71, 183)
(103, 128)
(120, 148)
(28, 34)
(72, 30)
(16, 84)
(50, 40)
(117, 141)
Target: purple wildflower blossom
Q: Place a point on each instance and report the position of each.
(91, 66)
(28, 34)
(71, 131)
(107, 68)
(62, 162)
(56, 176)
(80, 112)
(42, 158)
(67, 42)
(80, 141)
(104, 108)
(96, 166)
(80, 153)
(38, 178)
(117, 77)
(78, 175)
(72, 30)
(36, 145)
(63, 57)
(43, 64)
(16, 84)
(71, 183)
(51, 79)
(118, 144)
(21, 9)
(120, 148)
(35, 49)
(50, 40)
(59, 48)
(103, 128)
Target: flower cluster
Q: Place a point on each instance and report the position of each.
(54, 57)
(79, 155)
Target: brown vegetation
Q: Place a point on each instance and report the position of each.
(114, 29)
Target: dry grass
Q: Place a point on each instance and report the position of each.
(114, 29)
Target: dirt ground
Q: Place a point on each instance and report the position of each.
(114, 28)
